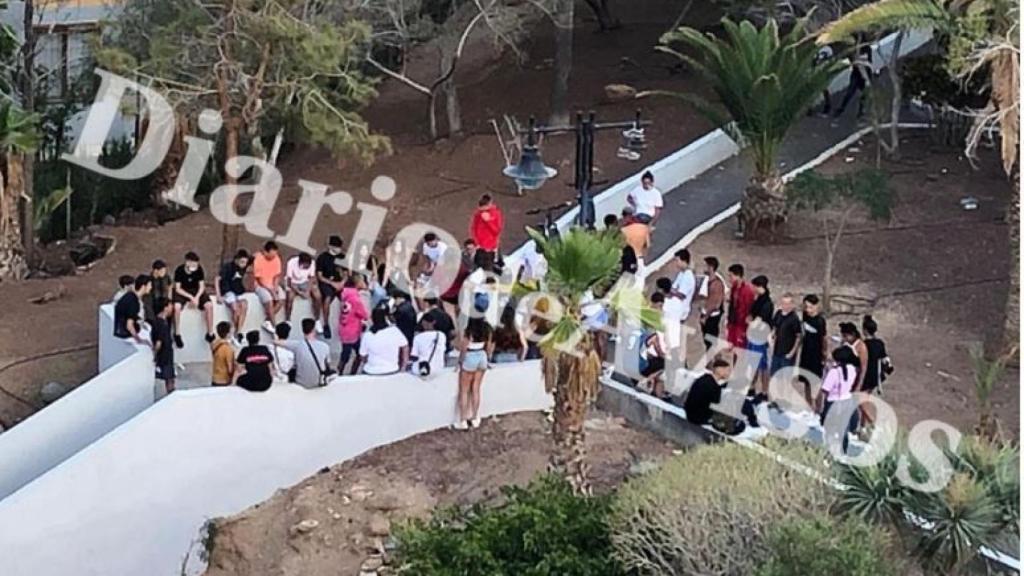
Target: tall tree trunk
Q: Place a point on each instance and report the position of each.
(451, 95)
(1011, 331)
(563, 61)
(229, 233)
(12, 256)
(573, 381)
(28, 104)
(897, 97)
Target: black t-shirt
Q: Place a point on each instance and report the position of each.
(161, 333)
(704, 392)
(763, 308)
(787, 332)
(257, 361)
(232, 278)
(876, 351)
(813, 344)
(405, 320)
(127, 307)
(327, 265)
(189, 281)
(443, 323)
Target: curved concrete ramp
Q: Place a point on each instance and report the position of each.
(133, 502)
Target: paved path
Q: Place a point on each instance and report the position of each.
(694, 202)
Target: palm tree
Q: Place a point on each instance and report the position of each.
(580, 263)
(765, 82)
(984, 37)
(18, 136)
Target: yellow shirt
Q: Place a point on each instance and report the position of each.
(223, 362)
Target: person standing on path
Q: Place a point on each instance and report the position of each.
(646, 200)
(678, 303)
(163, 343)
(759, 326)
(486, 226)
(861, 71)
(714, 303)
(786, 332)
(813, 345)
(741, 298)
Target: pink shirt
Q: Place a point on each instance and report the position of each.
(837, 387)
(350, 325)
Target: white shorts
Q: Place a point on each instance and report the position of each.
(230, 298)
(266, 296)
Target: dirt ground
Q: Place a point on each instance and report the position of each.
(331, 523)
(935, 277)
(437, 183)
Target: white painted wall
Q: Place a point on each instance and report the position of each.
(132, 503)
(122, 390)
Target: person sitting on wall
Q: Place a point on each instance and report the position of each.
(255, 371)
(706, 391)
(128, 311)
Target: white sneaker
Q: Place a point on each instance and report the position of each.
(319, 327)
(475, 422)
(268, 326)
(461, 425)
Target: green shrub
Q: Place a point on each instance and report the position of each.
(824, 546)
(710, 510)
(541, 530)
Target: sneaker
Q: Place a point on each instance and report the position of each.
(268, 326)
(210, 337)
(178, 341)
(319, 327)
(475, 422)
(327, 332)
(461, 425)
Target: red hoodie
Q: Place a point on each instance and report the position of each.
(485, 229)
(741, 299)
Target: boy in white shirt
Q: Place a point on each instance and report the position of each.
(678, 301)
(300, 282)
(428, 349)
(646, 200)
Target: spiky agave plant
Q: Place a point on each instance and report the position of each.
(579, 262)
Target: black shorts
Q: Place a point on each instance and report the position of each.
(165, 372)
(654, 365)
(327, 291)
(204, 299)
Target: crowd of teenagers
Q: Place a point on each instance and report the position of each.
(784, 338)
(388, 324)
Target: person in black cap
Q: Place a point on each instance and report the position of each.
(330, 275)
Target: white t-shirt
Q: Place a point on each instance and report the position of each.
(381, 350)
(647, 200)
(423, 345)
(284, 359)
(679, 308)
(297, 274)
(434, 253)
(535, 265)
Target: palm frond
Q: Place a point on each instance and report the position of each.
(887, 15)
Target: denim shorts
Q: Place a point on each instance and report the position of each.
(475, 361)
(761, 349)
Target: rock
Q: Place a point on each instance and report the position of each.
(359, 493)
(385, 503)
(379, 525)
(619, 92)
(51, 391)
(109, 220)
(372, 564)
(304, 527)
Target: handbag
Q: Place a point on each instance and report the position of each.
(326, 372)
(424, 366)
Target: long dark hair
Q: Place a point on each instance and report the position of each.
(506, 335)
(845, 357)
(869, 325)
(478, 330)
(378, 320)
